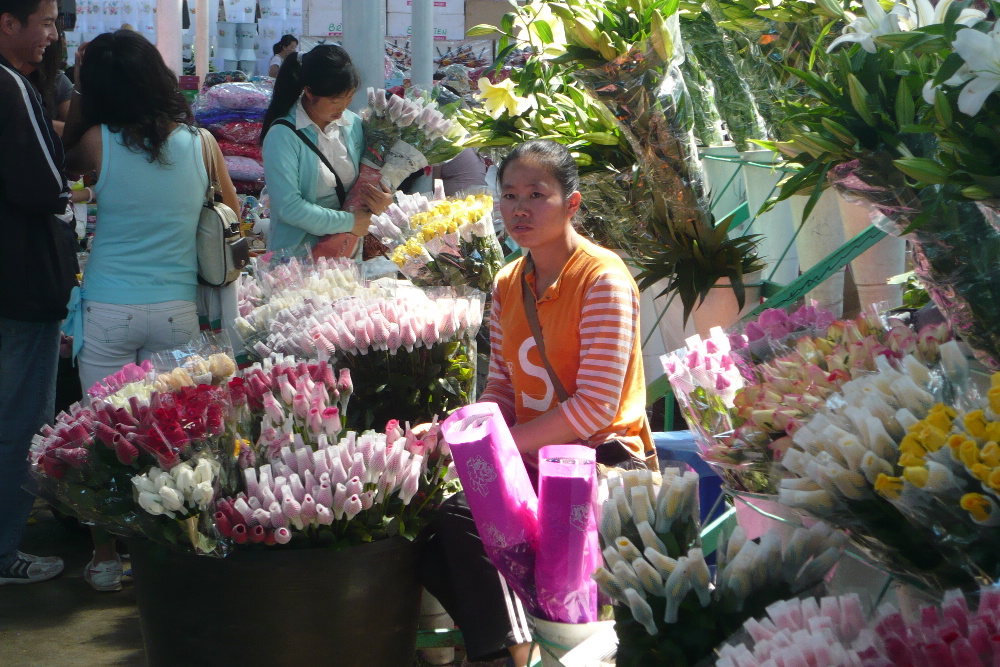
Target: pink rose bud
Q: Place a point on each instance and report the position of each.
(273, 411)
(392, 431)
(367, 499)
(354, 486)
(289, 506)
(223, 525)
(257, 534)
(105, 434)
(300, 406)
(344, 383)
(126, 452)
(262, 517)
(358, 466)
(324, 515)
(324, 497)
(282, 535)
(250, 475)
(308, 508)
(240, 534)
(339, 498)
(303, 461)
(297, 489)
(276, 516)
(244, 509)
(321, 464)
(352, 506)
(331, 421)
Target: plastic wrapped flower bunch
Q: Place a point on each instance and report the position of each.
(304, 480)
(745, 395)
(834, 632)
(668, 609)
(402, 135)
(442, 241)
(904, 459)
(148, 466)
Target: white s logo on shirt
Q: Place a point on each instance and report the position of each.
(540, 404)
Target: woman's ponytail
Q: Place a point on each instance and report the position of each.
(288, 86)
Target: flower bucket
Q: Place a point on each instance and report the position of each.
(775, 225)
(720, 308)
(822, 232)
(876, 265)
(355, 607)
(558, 639)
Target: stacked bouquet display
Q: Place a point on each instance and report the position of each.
(446, 242)
(411, 351)
(668, 608)
(834, 632)
(745, 394)
(904, 459)
(150, 464)
(255, 459)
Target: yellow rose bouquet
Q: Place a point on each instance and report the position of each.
(442, 242)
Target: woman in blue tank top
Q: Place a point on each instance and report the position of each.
(139, 289)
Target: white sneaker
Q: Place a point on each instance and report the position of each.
(104, 576)
(28, 569)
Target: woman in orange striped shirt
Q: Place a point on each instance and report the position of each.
(587, 307)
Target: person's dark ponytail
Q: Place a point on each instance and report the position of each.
(288, 86)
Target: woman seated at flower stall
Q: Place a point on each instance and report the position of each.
(586, 305)
(312, 149)
(135, 131)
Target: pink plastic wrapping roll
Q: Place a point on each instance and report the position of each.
(568, 547)
(499, 493)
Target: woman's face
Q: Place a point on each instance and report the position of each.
(289, 49)
(534, 209)
(325, 110)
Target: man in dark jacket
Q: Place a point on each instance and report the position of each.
(37, 272)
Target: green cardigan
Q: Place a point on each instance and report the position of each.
(291, 170)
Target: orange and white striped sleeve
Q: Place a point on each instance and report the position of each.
(499, 385)
(607, 333)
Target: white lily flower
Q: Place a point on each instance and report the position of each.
(864, 29)
(915, 14)
(981, 52)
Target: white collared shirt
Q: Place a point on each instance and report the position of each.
(331, 144)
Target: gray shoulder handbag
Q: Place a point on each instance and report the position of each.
(222, 250)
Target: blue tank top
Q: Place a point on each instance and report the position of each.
(147, 219)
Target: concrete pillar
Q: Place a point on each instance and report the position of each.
(422, 44)
(364, 39)
(168, 33)
(201, 39)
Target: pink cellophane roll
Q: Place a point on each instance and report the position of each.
(568, 547)
(503, 502)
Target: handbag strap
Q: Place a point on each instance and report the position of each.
(341, 196)
(531, 313)
(214, 191)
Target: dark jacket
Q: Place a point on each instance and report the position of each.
(37, 257)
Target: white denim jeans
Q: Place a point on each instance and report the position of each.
(115, 335)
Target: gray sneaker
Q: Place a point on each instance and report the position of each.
(28, 569)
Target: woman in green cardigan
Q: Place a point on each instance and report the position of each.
(311, 96)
